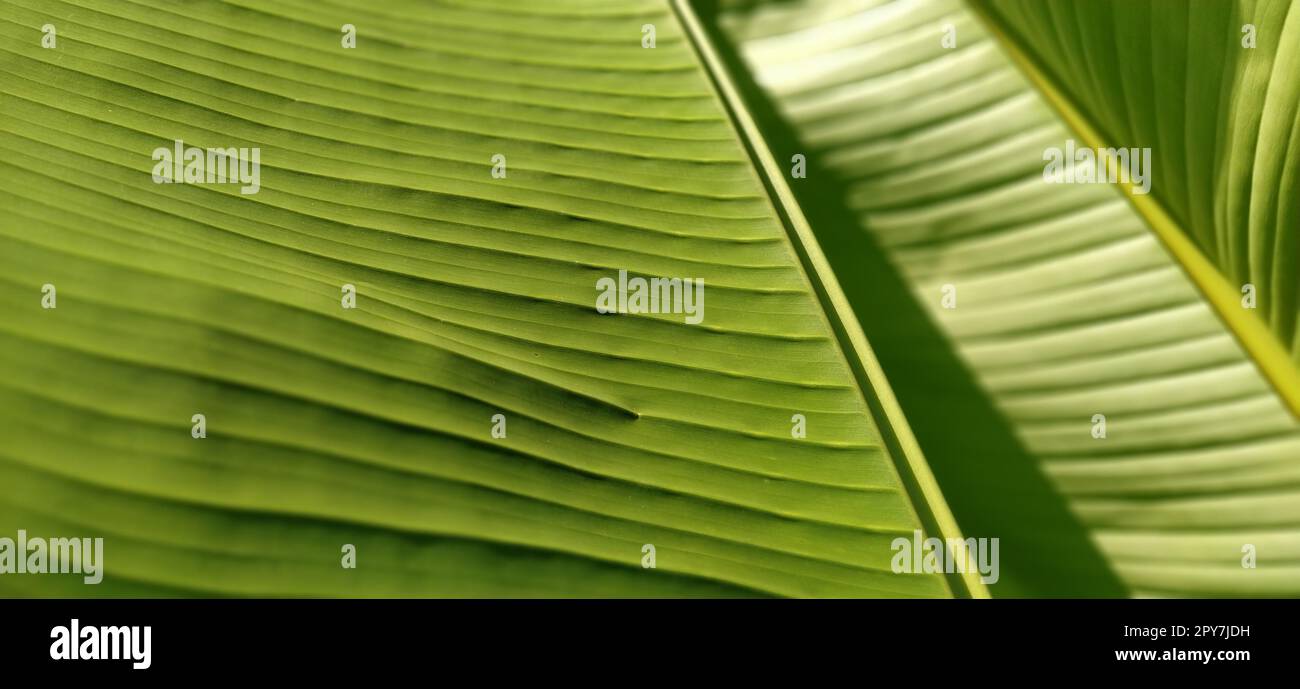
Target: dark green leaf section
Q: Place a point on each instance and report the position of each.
(475, 297)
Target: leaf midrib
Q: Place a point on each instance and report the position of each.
(1259, 343)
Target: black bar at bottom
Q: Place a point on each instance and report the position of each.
(332, 639)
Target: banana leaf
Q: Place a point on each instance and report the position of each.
(474, 426)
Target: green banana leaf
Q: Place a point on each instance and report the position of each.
(925, 178)
(373, 427)
(475, 168)
(1216, 101)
